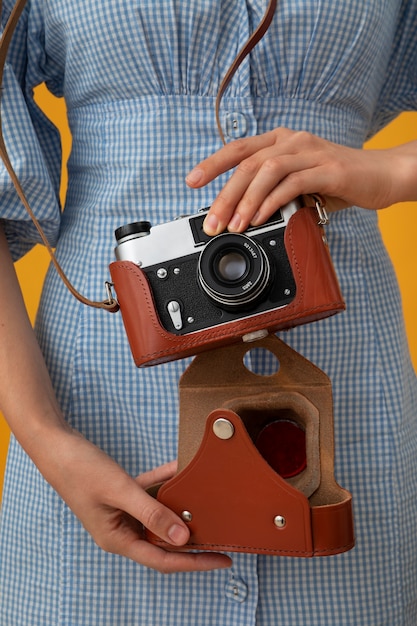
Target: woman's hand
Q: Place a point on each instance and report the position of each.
(115, 508)
(274, 168)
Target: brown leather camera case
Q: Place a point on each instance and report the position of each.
(317, 296)
(230, 496)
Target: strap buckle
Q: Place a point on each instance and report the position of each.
(111, 303)
(320, 206)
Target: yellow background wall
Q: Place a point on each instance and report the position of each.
(398, 224)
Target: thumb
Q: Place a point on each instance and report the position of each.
(158, 518)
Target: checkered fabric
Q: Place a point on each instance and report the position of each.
(140, 79)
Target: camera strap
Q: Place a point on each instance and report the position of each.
(111, 303)
(253, 40)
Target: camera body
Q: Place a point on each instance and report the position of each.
(198, 281)
(182, 292)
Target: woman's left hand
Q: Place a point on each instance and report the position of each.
(274, 168)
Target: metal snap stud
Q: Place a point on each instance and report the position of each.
(280, 521)
(187, 516)
(223, 429)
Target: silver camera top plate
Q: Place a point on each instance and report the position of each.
(182, 237)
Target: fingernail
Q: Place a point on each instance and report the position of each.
(235, 222)
(194, 177)
(211, 224)
(178, 535)
(256, 219)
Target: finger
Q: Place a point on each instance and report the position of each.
(227, 158)
(223, 209)
(268, 191)
(157, 475)
(156, 517)
(170, 562)
(310, 181)
(253, 185)
(163, 522)
(125, 536)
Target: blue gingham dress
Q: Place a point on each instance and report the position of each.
(140, 79)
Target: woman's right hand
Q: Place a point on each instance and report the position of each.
(115, 508)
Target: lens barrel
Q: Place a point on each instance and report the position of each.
(234, 271)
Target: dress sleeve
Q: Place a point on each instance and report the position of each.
(399, 90)
(32, 142)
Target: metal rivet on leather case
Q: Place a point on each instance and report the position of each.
(223, 429)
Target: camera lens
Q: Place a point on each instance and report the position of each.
(231, 266)
(234, 271)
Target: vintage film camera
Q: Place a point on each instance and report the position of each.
(182, 292)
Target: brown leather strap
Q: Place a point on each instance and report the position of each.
(253, 40)
(111, 304)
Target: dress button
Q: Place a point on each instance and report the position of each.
(236, 589)
(236, 125)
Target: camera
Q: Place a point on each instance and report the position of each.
(182, 292)
(199, 281)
